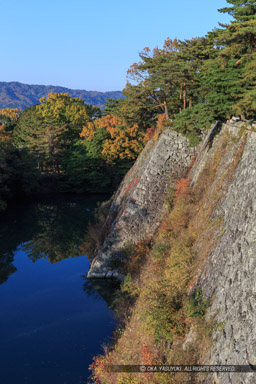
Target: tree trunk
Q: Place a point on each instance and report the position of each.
(166, 108)
(184, 96)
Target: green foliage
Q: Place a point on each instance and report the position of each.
(161, 249)
(84, 166)
(197, 81)
(164, 315)
(49, 129)
(130, 287)
(50, 133)
(246, 102)
(6, 266)
(221, 80)
(17, 172)
(124, 298)
(242, 10)
(197, 305)
(185, 84)
(191, 122)
(238, 42)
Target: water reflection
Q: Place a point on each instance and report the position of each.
(105, 289)
(50, 327)
(6, 266)
(51, 228)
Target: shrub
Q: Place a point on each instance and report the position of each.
(97, 230)
(197, 305)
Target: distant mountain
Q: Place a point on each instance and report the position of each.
(18, 95)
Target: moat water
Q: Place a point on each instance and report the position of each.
(52, 320)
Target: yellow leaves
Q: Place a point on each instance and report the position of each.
(61, 106)
(7, 115)
(5, 137)
(124, 142)
(132, 68)
(109, 122)
(11, 113)
(171, 45)
(88, 131)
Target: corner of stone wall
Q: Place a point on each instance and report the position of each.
(139, 202)
(228, 276)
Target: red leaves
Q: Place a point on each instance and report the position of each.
(147, 356)
(150, 133)
(182, 188)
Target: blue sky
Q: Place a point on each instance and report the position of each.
(84, 44)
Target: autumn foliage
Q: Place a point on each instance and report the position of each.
(123, 142)
(182, 188)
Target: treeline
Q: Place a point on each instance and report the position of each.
(186, 85)
(63, 145)
(191, 83)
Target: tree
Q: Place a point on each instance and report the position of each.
(9, 117)
(84, 166)
(246, 103)
(51, 127)
(122, 144)
(17, 173)
(193, 54)
(158, 77)
(29, 134)
(238, 40)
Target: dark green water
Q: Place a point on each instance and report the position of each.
(52, 321)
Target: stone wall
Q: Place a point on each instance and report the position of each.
(138, 206)
(228, 278)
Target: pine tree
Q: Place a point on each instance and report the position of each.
(239, 40)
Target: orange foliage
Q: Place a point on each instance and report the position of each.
(161, 120)
(171, 45)
(88, 131)
(147, 356)
(147, 359)
(182, 188)
(5, 137)
(101, 371)
(150, 133)
(109, 122)
(124, 142)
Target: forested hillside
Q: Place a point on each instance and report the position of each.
(17, 95)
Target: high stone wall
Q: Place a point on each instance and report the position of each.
(138, 206)
(228, 278)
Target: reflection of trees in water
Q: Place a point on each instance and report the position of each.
(51, 228)
(6, 266)
(102, 288)
(61, 230)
